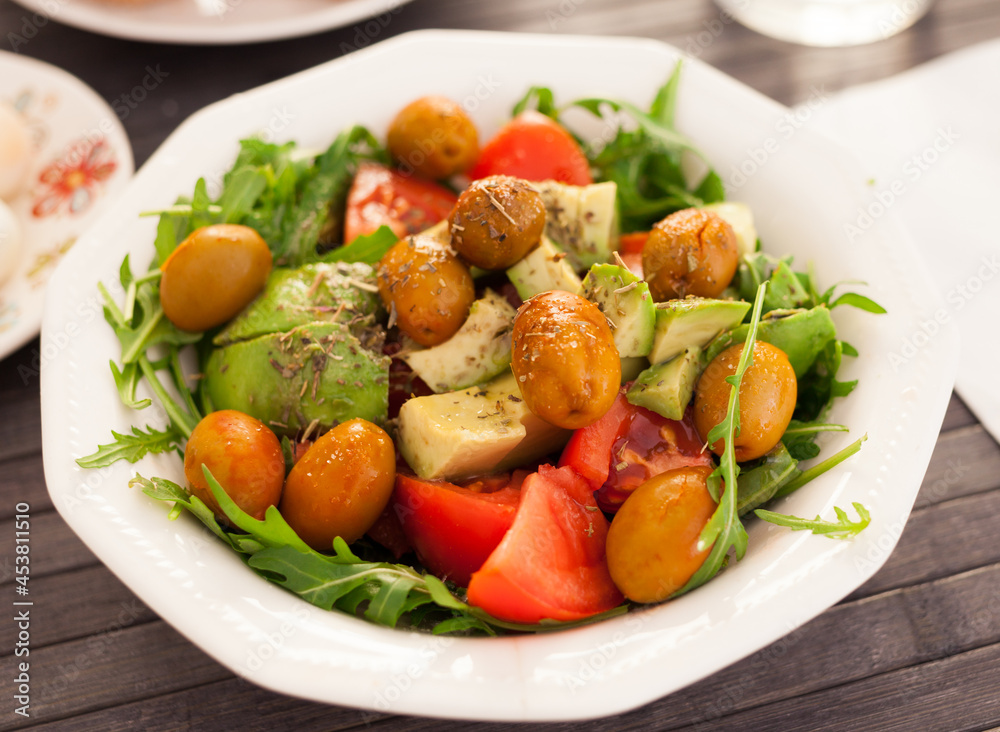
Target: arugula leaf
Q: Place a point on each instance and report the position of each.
(817, 470)
(724, 530)
(367, 248)
(132, 447)
(539, 98)
(757, 485)
(842, 528)
(164, 490)
(799, 437)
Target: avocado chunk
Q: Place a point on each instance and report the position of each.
(319, 292)
(666, 388)
(739, 216)
(626, 303)
(581, 219)
(543, 269)
(472, 432)
(318, 371)
(693, 321)
(802, 334)
(632, 366)
(479, 350)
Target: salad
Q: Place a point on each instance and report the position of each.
(476, 407)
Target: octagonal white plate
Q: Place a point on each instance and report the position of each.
(803, 189)
(218, 21)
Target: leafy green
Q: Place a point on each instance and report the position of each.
(367, 248)
(842, 528)
(132, 447)
(817, 470)
(799, 438)
(644, 158)
(757, 484)
(724, 531)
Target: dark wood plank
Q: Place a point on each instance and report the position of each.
(54, 549)
(965, 461)
(216, 706)
(59, 615)
(110, 669)
(21, 479)
(958, 415)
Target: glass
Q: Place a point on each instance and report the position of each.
(827, 22)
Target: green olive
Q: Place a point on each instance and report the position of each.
(433, 136)
(212, 275)
(242, 454)
(341, 485)
(427, 290)
(565, 360)
(767, 399)
(653, 540)
(496, 221)
(690, 252)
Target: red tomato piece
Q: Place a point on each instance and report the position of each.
(534, 147)
(405, 203)
(552, 563)
(628, 446)
(632, 243)
(454, 529)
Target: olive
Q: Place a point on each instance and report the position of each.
(653, 540)
(212, 275)
(242, 454)
(496, 221)
(565, 360)
(690, 252)
(767, 399)
(434, 137)
(341, 485)
(426, 288)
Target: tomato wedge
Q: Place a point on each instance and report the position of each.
(406, 204)
(534, 147)
(628, 446)
(452, 528)
(551, 564)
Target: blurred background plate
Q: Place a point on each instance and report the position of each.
(80, 158)
(210, 21)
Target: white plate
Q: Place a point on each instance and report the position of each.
(802, 187)
(81, 158)
(218, 21)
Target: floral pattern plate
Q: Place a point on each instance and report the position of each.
(81, 158)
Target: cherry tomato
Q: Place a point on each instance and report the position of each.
(551, 563)
(653, 540)
(406, 204)
(212, 275)
(243, 455)
(453, 528)
(565, 359)
(767, 399)
(690, 252)
(427, 288)
(341, 485)
(534, 147)
(433, 136)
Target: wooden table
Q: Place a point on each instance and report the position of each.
(916, 648)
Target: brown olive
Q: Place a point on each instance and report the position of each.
(341, 485)
(690, 252)
(212, 275)
(653, 540)
(242, 454)
(434, 137)
(496, 221)
(426, 288)
(767, 399)
(565, 360)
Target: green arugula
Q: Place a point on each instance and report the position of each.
(724, 531)
(646, 162)
(842, 528)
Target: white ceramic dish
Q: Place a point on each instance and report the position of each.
(82, 151)
(217, 21)
(802, 188)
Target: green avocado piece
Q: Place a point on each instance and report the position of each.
(320, 292)
(581, 219)
(666, 388)
(318, 371)
(626, 303)
(479, 351)
(542, 269)
(801, 334)
(693, 321)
